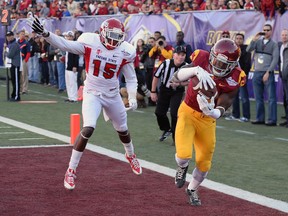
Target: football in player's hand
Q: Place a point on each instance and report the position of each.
(209, 93)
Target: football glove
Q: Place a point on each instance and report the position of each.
(208, 107)
(204, 78)
(132, 104)
(36, 25)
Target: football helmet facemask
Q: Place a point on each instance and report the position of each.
(112, 33)
(224, 56)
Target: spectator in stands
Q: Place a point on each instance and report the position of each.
(102, 8)
(241, 4)
(208, 5)
(72, 6)
(60, 64)
(34, 58)
(52, 63)
(93, 7)
(45, 11)
(225, 34)
(14, 55)
(257, 5)
(195, 5)
(161, 51)
(214, 6)
(233, 5)
(180, 42)
(53, 9)
(157, 34)
(148, 63)
(43, 61)
(221, 5)
(284, 71)
(245, 64)
(25, 53)
(267, 8)
(280, 6)
(65, 11)
(249, 5)
(186, 6)
(72, 63)
(265, 58)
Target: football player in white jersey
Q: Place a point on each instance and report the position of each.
(106, 56)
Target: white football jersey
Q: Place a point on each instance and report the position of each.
(102, 66)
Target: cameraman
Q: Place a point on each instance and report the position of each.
(160, 51)
(148, 65)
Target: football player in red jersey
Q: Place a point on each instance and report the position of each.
(106, 56)
(196, 125)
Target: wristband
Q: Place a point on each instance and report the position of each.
(153, 91)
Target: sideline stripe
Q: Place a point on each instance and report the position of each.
(12, 132)
(282, 139)
(222, 188)
(245, 132)
(27, 138)
(34, 146)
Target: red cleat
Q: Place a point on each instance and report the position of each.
(69, 180)
(134, 163)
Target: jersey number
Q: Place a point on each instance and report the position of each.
(108, 69)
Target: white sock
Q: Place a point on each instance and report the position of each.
(129, 148)
(194, 184)
(197, 178)
(75, 159)
(181, 162)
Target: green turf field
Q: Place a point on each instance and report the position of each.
(249, 157)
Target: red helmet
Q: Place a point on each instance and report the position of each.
(224, 56)
(112, 33)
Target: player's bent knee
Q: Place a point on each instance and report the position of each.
(183, 155)
(87, 132)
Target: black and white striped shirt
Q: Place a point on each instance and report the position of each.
(166, 70)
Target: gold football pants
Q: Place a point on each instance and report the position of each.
(195, 130)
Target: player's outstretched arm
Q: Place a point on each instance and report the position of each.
(186, 72)
(55, 40)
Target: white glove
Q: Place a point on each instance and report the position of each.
(132, 104)
(36, 25)
(205, 79)
(208, 107)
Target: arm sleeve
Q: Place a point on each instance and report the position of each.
(131, 79)
(65, 45)
(27, 56)
(186, 72)
(251, 46)
(167, 53)
(153, 51)
(275, 56)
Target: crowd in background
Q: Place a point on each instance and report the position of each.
(58, 9)
(64, 71)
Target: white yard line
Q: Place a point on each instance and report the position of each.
(32, 138)
(245, 132)
(11, 132)
(282, 139)
(222, 188)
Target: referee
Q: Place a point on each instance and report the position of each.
(168, 97)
